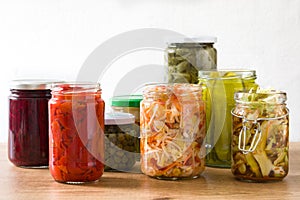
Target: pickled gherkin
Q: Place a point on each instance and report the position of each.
(185, 58)
(121, 141)
(220, 88)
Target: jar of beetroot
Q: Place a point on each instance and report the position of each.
(28, 123)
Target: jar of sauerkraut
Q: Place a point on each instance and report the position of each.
(172, 131)
(260, 136)
(220, 86)
(186, 56)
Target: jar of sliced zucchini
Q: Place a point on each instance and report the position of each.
(186, 56)
(260, 138)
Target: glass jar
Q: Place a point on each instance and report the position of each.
(172, 131)
(120, 142)
(219, 93)
(129, 104)
(185, 57)
(28, 123)
(260, 136)
(76, 144)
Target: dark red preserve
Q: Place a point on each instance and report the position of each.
(28, 143)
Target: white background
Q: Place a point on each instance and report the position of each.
(52, 39)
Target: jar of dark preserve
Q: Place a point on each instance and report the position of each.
(76, 138)
(28, 123)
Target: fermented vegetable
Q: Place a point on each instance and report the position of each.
(185, 58)
(220, 88)
(172, 131)
(76, 133)
(260, 136)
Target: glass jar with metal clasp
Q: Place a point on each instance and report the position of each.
(260, 136)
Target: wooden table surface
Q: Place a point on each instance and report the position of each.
(19, 183)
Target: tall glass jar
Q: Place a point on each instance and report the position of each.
(186, 56)
(260, 137)
(28, 123)
(76, 145)
(172, 131)
(220, 87)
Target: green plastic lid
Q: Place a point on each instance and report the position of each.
(126, 101)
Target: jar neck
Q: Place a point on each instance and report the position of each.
(191, 45)
(15, 93)
(227, 75)
(76, 89)
(164, 92)
(253, 98)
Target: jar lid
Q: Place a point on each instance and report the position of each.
(32, 84)
(118, 118)
(194, 39)
(126, 101)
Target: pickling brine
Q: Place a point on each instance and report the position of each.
(172, 131)
(76, 138)
(260, 137)
(220, 86)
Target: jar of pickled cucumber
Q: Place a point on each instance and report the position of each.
(186, 56)
(220, 86)
(120, 142)
(260, 136)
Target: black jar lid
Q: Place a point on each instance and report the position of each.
(32, 84)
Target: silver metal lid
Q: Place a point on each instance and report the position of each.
(118, 118)
(192, 39)
(32, 84)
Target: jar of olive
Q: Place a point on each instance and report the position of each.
(121, 141)
(260, 136)
(186, 56)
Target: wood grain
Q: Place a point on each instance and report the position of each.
(19, 183)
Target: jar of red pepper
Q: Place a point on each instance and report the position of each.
(28, 123)
(76, 138)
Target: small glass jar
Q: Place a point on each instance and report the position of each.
(28, 123)
(219, 93)
(129, 104)
(172, 131)
(260, 137)
(76, 140)
(186, 56)
(120, 142)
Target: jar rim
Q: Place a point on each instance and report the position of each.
(70, 87)
(268, 97)
(182, 89)
(226, 74)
